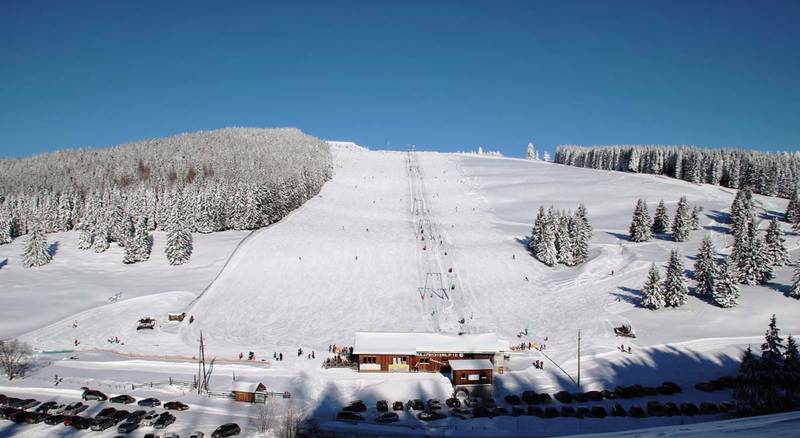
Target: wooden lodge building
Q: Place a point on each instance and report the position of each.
(252, 392)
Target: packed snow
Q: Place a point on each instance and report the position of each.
(409, 242)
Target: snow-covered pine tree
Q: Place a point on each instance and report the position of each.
(726, 289)
(705, 268)
(179, 239)
(565, 245)
(64, 219)
(5, 225)
(546, 156)
(765, 271)
(770, 368)
(794, 290)
(793, 208)
(532, 154)
(536, 231)
(100, 238)
(680, 224)
(660, 219)
(775, 244)
(791, 374)
(747, 394)
(741, 210)
(138, 247)
(583, 234)
(85, 239)
(37, 251)
(694, 219)
(674, 287)
(640, 230)
(652, 296)
(546, 249)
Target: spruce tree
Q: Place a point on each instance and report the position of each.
(770, 368)
(138, 247)
(694, 220)
(179, 245)
(745, 252)
(680, 224)
(583, 234)
(100, 238)
(793, 208)
(5, 226)
(775, 244)
(791, 375)
(546, 249)
(705, 268)
(37, 251)
(565, 245)
(763, 264)
(84, 239)
(652, 296)
(747, 393)
(536, 231)
(640, 224)
(675, 289)
(794, 291)
(661, 219)
(726, 291)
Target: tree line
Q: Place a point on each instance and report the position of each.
(771, 174)
(232, 178)
(561, 237)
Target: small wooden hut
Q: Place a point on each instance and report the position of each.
(248, 391)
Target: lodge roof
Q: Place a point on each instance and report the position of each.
(410, 343)
(470, 364)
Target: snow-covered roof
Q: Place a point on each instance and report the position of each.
(470, 364)
(245, 386)
(412, 343)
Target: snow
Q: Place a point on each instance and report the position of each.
(352, 260)
(411, 343)
(470, 364)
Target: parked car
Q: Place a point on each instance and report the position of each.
(74, 409)
(461, 413)
(197, 435)
(123, 398)
(20, 416)
(93, 394)
(535, 411)
(387, 417)
(689, 409)
(228, 429)
(471, 402)
(105, 413)
(430, 416)
(102, 424)
(176, 406)
(68, 420)
(25, 404)
(82, 423)
(136, 416)
(56, 409)
(120, 415)
(349, 416)
(416, 405)
(7, 412)
(36, 417)
(583, 412)
(636, 411)
(453, 402)
(618, 411)
(517, 411)
(44, 407)
(550, 412)
(382, 406)
(149, 402)
(707, 407)
(599, 411)
(669, 388)
(567, 411)
(398, 406)
(164, 420)
(580, 397)
(563, 397)
(513, 399)
(149, 419)
(54, 419)
(655, 409)
(171, 435)
(672, 409)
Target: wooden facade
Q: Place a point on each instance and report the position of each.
(246, 392)
(429, 362)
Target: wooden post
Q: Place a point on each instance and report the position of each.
(579, 358)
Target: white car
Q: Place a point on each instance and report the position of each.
(149, 419)
(171, 435)
(197, 435)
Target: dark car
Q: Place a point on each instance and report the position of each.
(530, 397)
(517, 411)
(672, 409)
(149, 402)
(382, 406)
(563, 397)
(594, 395)
(636, 411)
(580, 397)
(45, 406)
(669, 388)
(535, 411)
(36, 418)
(655, 409)
(550, 412)
(704, 386)
(25, 404)
(583, 412)
(228, 429)
(599, 412)
(124, 399)
(709, 408)
(136, 416)
(82, 423)
(105, 413)
(453, 402)
(355, 406)
(164, 420)
(120, 415)
(93, 394)
(567, 411)
(102, 424)
(689, 409)
(387, 417)
(127, 427)
(74, 409)
(430, 416)
(434, 404)
(176, 406)
(513, 399)
(618, 411)
(608, 395)
(398, 406)
(2, 399)
(347, 416)
(20, 416)
(69, 419)
(54, 419)
(416, 405)
(6, 413)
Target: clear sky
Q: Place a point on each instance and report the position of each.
(441, 75)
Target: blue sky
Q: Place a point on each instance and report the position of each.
(441, 75)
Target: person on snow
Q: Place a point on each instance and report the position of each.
(280, 356)
(191, 319)
(241, 355)
(312, 354)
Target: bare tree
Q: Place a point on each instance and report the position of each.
(291, 423)
(14, 357)
(265, 417)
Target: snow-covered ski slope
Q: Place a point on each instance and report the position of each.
(354, 259)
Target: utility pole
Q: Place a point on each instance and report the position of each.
(201, 367)
(579, 358)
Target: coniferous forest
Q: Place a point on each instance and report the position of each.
(232, 178)
(771, 174)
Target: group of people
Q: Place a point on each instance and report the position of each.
(622, 348)
(250, 355)
(538, 364)
(114, 340)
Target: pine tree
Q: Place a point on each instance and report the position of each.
(791, 375)
(138, 247)
(652, 296)
(640, 224)
(694, 220)
(532, 153)
(536, 231)
(661, 219)
(794, 291)
(179, 244)
(564, 242)
(747, 394)
(675, 289)
(745, 253)
(680, 224)
(770, 368)
(762, 263)
(705, 268)
(793, 208)
(583, 235)
(6, 227)
(37, 251)
(546, 250)
(726, 291)
(775, 244)
(85, 239)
